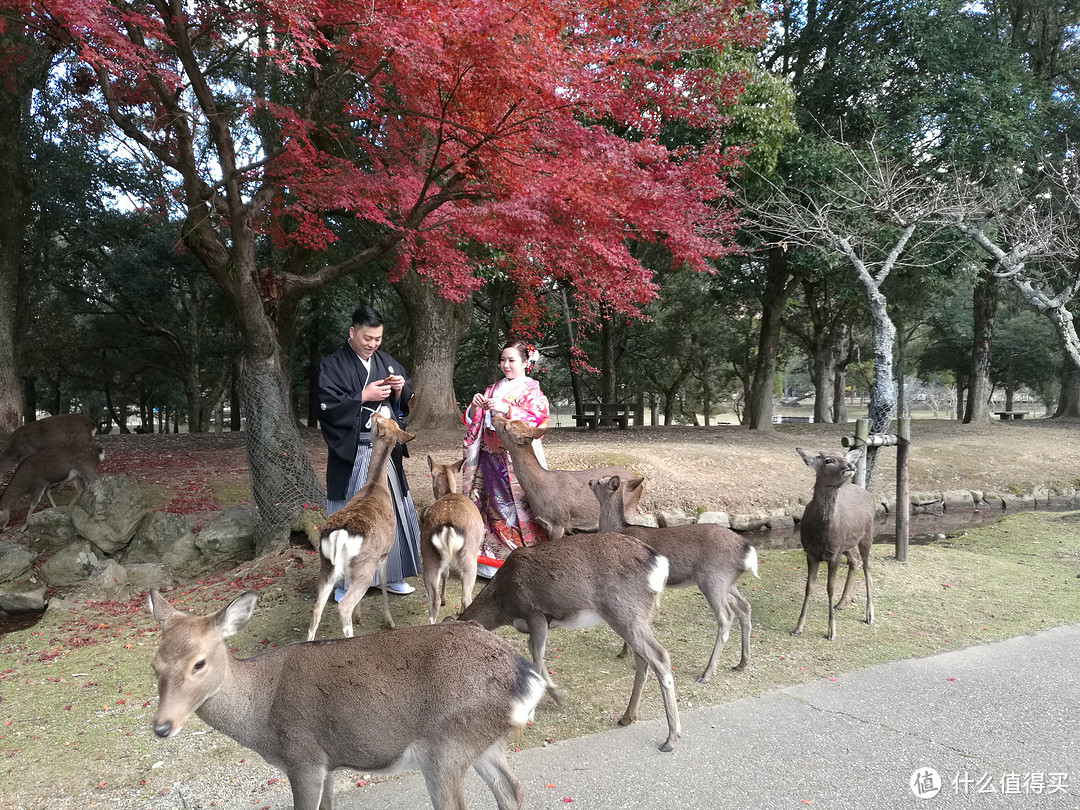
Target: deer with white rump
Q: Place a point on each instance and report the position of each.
(65, 428)
(439, 698)
(838, 521)
(702, 554)
(567, 583)
(357, 538)
(560, 500)
(74, 461)
(450, 536)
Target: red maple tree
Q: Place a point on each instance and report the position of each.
(536, 129)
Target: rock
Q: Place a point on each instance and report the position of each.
(142, 577)
(957, 499)
(749, 523)
(230, 535)
(925, 499)
(667, 518)
(719, 518)
(15, 561)
(781, 523)
(644, 519)
(165, 538)
(109, 512)
(108, 579)
(71, 564)
(993, 500)
(25, 596)
(51, 529)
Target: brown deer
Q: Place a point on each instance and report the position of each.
(357, 538)
(702, 554)
(838, 521)
(72, 461)
(450, 536)
(26, 440)
(439, 698)
(569, 583)
(560, 500)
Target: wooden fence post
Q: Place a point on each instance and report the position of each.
(903, 499)
(862, 433)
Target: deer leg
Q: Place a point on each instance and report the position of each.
(444, 575)
(49, 495)
(323, 590)
(312, 789)
(811, 575)
(445, 785)
(741, 607)
(432, 579)
(719, 604)
(35, 499)
(866, 573)
(538, 630)
(625, 651)
(830, 585)
(648, 652)
(846, 593)
(495, 771)
(385, 598)
(467, 569)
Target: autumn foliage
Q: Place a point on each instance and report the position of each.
(531, 137)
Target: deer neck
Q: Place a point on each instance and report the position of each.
(824, 500)
(613, 513)
(239, 708)
(380, 458)
(524, 458)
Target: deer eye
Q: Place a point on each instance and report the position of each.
(199, 665)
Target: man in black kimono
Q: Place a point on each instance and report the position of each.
(355, 382)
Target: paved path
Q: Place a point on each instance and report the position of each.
(1000, 717)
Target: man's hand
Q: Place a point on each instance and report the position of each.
(376, 391)
(396, 382)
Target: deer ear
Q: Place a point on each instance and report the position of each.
(431, 464)
(806, 457)
(634, 483)
(231, 618)
(159, 606)
(852, 456)
(457, 465)
(614, 482)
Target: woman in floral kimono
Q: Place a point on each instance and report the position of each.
(487, 475)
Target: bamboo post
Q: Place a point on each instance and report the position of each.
(903, 499)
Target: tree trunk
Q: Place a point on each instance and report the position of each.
(984, 308)
(777, 289)
(437, 327)
(1069, 401)
(824, 366)
(883, 394)
(571, 351)
(607, 364)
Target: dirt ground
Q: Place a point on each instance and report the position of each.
(726, 468)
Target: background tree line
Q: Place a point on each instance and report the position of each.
(674, 203)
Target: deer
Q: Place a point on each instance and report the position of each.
(560, 500)
(26, 440)
(440, 698)
(838, 521)
(450, 536)
(566, 583)
(54, 464)
(357, 538)
(703, 554)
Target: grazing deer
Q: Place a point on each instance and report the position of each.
(439, 698)
(357, 538)
(560, 500)
(569, 583)
(450, 536)
(702, 554)
(72, 461)
(26, 440)
(838, 520)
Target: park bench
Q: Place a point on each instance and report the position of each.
(594, 414)
(1005, 415)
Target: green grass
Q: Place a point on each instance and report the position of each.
(77, 694)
